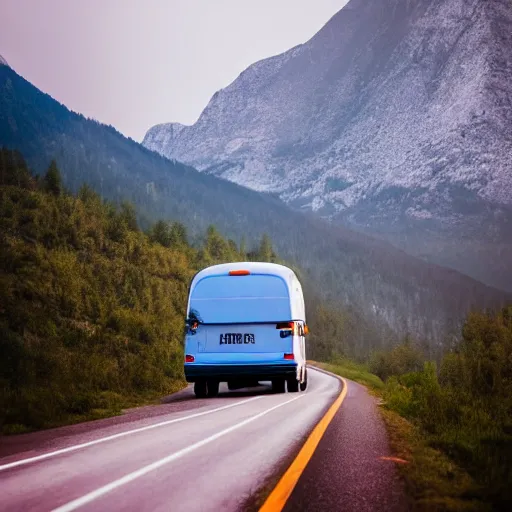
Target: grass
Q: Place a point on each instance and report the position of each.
(353, 371)
(109, 404)
(433, 482)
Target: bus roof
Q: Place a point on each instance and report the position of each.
(273, 294)
(254, 267)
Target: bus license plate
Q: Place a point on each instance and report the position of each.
(236, 338)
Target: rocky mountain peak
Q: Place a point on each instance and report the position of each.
(395, 118)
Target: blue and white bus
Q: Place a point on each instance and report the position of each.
(246, 323)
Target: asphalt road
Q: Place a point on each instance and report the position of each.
(351, 470)
(186, 455)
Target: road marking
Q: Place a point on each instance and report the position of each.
(279, 496)
(120, 434)
(87, 498)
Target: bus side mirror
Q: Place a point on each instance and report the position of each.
(191, 326)
(306, 330)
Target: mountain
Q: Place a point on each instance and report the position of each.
(381, 286)
(3, 62)
(394, 119)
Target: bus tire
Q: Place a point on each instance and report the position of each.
(212, 388)
(304, 384)
(278, 386)
(233, 385)
(293, 385)
(200, 389)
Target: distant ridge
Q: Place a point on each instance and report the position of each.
(3, 62)
(394, 119)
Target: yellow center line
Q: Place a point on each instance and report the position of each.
(279, 496)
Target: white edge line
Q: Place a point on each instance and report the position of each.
(87, 498)
(116, 436)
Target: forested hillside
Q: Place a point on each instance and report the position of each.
(92, 308)
(379, 287)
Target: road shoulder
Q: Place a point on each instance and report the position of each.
(352, 467)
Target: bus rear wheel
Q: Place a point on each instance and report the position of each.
(212, 388)
(200, 389)
(278, 386)
(304, 385)
(233, 385)
(293, 385)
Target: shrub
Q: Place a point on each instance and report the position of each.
(403, 358)
(466, 408)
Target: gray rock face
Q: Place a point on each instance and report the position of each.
(395, 118)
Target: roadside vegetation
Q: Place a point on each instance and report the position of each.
(452, 420)
(91, 307)
(357, 372)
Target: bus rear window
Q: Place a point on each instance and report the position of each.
(241, 299)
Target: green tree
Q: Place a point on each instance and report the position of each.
(13, 169)
(117, 228)
(243, 248)
(87, 194)
(403, 358)
(178, 235)
(53, 179)
(160, 233)
(129, 215)
(265, 250)
(215, 245)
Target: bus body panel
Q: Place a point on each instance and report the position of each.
(242, 324)
(251, 339)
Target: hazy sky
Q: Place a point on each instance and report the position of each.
(135, 63)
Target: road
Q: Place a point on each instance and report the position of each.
(352, 468)
(192, 454)
(206, 454)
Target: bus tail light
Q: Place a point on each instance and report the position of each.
(189, 358)
(290, 357)
(239, 273)
(287, 329)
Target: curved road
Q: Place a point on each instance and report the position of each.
(352, 468)
(208, 454)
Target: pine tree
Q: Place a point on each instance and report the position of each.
(87, 194)
(13, 169)
(129, 215)
(178, 235)
(215, 245)
(160, 233)
(243, 248)
(265, 251)
(53, 179)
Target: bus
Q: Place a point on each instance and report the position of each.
(245, 323)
